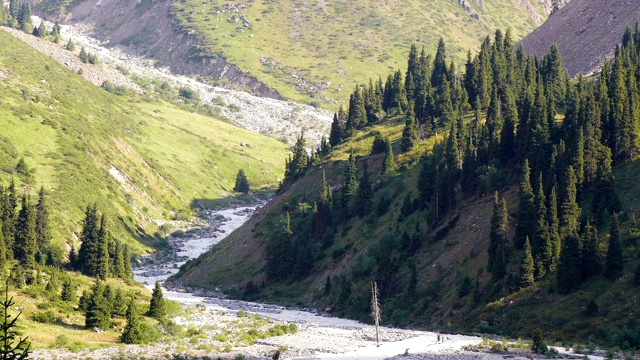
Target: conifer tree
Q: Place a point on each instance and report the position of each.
(242, 184)
(102, 272)
(543, 247)
(525, 226)
(98, 314)
(498, 243)
(570, 211)
(554, 224)
(364, 193)
(128, 272)
(335, 136)
(569, 267)
(14, 8)
(614, 262)
(71, 46)
(26, 238)
(350, 181)
(9, 206)
(527, 268)
(132, 333)
(43, 232)
(3, 249)
(157, 307)
(88, 256)
(68, 291)
(24, 17)
(42, 30)
(591, 262)
(410, 134)
(119, 268)
(389, 162)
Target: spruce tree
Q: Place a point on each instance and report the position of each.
(132, 333)
(350, 181)
(43, 232)
(42, 30)
(527, 268)
(570, 211)
(569, 267)
(242, 184)
(525, 226)
(335, 136)
(389, 162)
(88, 256)
(410, 132)
(3, 249)
(98, 314)
(26, 238)
(614, 262)
(68, 291)
(128, 272)
(498, 242)
(157, 307)
(70, 45)
(364, 193)
(591, 262)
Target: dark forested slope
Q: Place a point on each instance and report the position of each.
(499, 213)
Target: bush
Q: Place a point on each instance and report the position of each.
(188, 94)
(44, 317)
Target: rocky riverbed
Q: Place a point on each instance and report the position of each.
(214, 322)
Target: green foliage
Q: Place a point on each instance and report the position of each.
(537, 342)
(157, 306)
(14, 346)
(614, 261)
(527, 269)
(242, 184)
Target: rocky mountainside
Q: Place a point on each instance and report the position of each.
(586, 32)
(310, 52)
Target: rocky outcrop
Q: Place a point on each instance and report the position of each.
(586, 32)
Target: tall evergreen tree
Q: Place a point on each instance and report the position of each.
(242, 184)
(335, 136)
(88, 256)
(389, 162)
(410, 134)
(525, 226)
(364, 193)
(133, 332)
(43, 232)
(26, 238)
(157, 306)
(591, 262)
(498, 242)
(614, 262)
(570, 211)
(527, 268)
(569, 267)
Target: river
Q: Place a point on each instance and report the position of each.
(322, 337)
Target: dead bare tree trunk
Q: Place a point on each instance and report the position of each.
(375, 310)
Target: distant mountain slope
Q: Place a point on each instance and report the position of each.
(586, 31)
(141, 161)
(311, 52)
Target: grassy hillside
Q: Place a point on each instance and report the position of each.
(141, 161)
(318, 51)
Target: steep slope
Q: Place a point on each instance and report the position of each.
(586, 32)
(310, 52)
(547, 252)
(143, 162)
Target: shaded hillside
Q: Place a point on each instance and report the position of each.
(586, 32)
(553, 248)
(142, 161)
(303, 51)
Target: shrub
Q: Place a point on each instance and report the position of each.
(44, 317)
